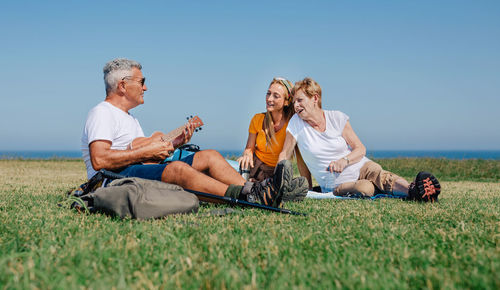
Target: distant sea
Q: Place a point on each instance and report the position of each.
(449, 154)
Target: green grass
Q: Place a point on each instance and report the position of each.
(340, 244)
(445, 169)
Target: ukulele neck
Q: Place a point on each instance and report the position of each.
(173, 134)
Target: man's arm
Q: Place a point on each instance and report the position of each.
(103, 157)
(182, 138)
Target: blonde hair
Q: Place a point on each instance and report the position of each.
(310, 87)
(288, 111)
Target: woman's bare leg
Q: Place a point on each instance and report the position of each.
(401, 185)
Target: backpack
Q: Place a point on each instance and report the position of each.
(134, 197)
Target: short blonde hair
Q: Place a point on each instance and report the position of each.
(310, 87)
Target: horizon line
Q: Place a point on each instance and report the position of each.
(74, 150)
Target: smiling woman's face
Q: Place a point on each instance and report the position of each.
(275, 98)
(303, 105)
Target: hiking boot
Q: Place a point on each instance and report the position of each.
(425, 187)
(270, 191)
(297, 189)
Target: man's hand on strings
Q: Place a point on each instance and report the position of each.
(188, 132)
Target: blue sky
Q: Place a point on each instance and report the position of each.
(410, 74)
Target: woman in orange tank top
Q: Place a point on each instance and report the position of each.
(267, 131)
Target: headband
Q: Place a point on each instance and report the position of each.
(286, 83)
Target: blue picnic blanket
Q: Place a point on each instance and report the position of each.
(330, 195)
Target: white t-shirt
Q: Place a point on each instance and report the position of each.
(318, 149)
(107, 122)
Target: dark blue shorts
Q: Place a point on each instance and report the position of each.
(151, 171)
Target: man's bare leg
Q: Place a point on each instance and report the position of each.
(188, 177)
(213, 164)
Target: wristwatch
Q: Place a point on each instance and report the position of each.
(346, 159)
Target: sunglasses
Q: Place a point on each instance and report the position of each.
(142, 81)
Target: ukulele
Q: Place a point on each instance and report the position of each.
(177, 136)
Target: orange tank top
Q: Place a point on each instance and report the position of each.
(268, 153)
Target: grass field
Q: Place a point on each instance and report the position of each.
(340, 244)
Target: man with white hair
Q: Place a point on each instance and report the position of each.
(110, 129)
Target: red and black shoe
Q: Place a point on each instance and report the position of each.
(426, 188)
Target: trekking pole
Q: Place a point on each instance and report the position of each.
(234, 201)
(227, 199)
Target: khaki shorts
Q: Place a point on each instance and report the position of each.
(372, 179)
(260, 171)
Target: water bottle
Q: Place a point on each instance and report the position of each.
(328, 182)
(245, 173)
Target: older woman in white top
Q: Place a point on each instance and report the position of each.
(335, 156)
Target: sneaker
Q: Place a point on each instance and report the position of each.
(297, 189)
(270, 191)
(426, 187)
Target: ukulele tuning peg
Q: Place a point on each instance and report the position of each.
(191, 116)
(187, 118)
(199, 129)
(196, 130)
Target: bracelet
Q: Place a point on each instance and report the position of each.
(346, 159)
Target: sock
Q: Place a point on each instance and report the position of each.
(246, 190)
(233, 191)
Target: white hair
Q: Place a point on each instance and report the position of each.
(116, 70)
